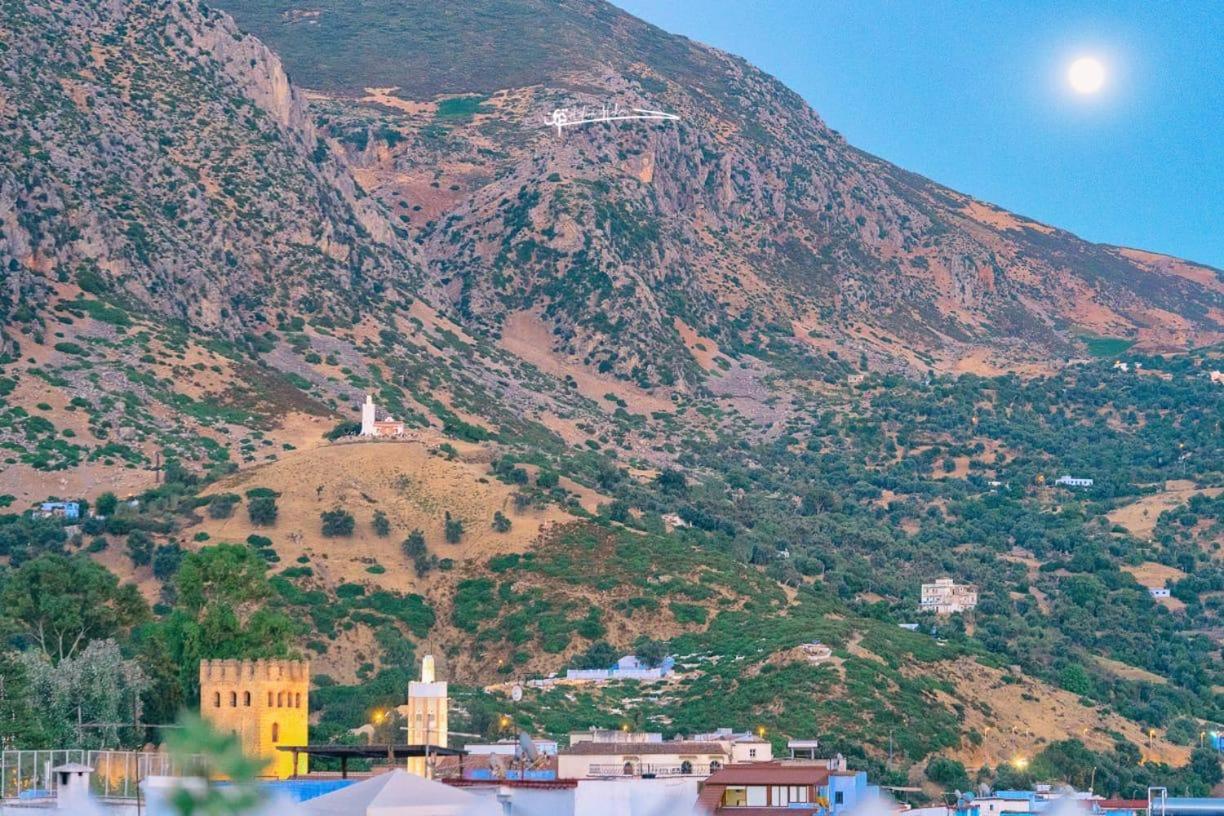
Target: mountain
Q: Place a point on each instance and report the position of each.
(750, 220)
(658, 381)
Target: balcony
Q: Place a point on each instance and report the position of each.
(650, 769)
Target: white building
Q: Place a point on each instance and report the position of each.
(628, 667)
(945, 597)
(510, 748)
(372, 426)
(1071, 481)
(1158, 592)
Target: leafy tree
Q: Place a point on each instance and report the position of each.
(453, 529)
(227, 575)
(221, 505)
(166, 560)
(950, 773)
(382, 527)
(60, 604)
(599, 655)
(1205, 764)
(671, 480)
(346, 428)
(262, 510)
(140, 547)
(20, 725)
(650, 651)
(414, 544)
(501, 524)
(1075, 680)
(106, 504)
(337, 522)
(547, 479)
(95, 685)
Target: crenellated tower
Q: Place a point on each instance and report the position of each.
(265, 702)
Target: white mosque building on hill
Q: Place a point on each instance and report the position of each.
(372, 426)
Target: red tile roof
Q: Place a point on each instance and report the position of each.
(769, 773)
(642, 748)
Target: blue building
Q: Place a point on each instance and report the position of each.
(70, 511)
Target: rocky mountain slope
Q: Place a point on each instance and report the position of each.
(750, 220)
(641, 343)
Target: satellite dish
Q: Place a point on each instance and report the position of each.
(516, 692)
(497, 766)
(527, 746)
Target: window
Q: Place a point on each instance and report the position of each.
(756, 796)
(799, 793)
(735, 797)
(839, 798)
(686, 768)
(628, 769)
(269, 699)
(751, 753)
(297, 700)
(280, 699)
(217, 700)
(233, 699)
(246, 699)
(714, 765)
(276, 732)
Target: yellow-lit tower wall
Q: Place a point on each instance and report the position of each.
(426, 714)
(265, 702)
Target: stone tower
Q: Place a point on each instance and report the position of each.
(265, 702)
(426, 714)
(368, 416)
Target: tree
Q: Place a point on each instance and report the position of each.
(671, 480)
(500, 523)
(221, 505)
(166, 560)
(227, 574)
(262, 510)
(1075, 680)
(337, 522)
(60, 604)
(20, 726)
(139, 547)
(1205, 764)
(453, 529)
(650, 651)
(96, 685)
(106, 504)
(414, 544)
(382, 527)
(949, 773)
(599, 655)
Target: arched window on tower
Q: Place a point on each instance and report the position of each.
(217, 699)
(233, 699)
(280, 699)
(269, 699)
(297, 700)
(276, 732)
(246, 699)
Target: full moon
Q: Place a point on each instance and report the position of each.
(1086, 75)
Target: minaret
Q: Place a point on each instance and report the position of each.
(426, 713)
(367, 416)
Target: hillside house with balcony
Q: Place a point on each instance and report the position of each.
(945, 597)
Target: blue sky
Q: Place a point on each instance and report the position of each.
(974, 95)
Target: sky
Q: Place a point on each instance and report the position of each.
(974, 94)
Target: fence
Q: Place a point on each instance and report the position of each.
(26, 775)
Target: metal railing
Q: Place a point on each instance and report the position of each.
(647, 769)
(26, 775)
